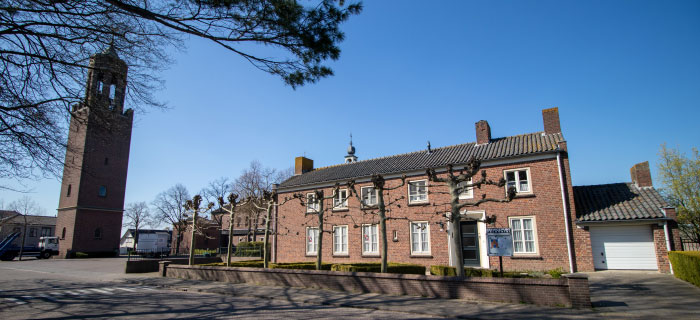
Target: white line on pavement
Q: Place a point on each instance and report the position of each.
(100, 291)
(125, 289)
(16, 301)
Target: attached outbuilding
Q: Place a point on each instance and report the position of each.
(631, 226)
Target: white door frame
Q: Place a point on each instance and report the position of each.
(479, 216)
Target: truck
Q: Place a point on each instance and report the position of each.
(47, 247)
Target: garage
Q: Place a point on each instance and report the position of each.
(623, 247)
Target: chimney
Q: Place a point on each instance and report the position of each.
(483, 132)
(550, 117)
(302, 165)
(641, 176)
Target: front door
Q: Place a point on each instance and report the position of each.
(470, 244)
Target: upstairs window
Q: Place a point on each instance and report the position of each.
(418, 191)
(466, 193)
(63, 233)
(68, 192)
(519, 179)
(98, 233)
(369, 196)
(32, 232)
(312, 203)
(46, 232)
(340, 201)
(102, 191)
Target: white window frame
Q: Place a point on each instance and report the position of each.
(420, 252)
(469, 193)
(411, 184)
(312, 204)
(367, 239)
(534, 235)
(340, 202)
(311, 250)
(362, 196)
(517, 180)
(340, 233)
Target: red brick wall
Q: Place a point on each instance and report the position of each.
(660, 246)
(210, 242)
(545, 204)
(552, 292)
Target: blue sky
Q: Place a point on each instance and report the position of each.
(624, 74)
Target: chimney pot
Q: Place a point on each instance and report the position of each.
(483, 132)
(641, 176)
(550, 118)
(302, 165)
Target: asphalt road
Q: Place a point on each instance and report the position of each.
(94, 288)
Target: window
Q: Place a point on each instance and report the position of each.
(524, 235)
(418, 191)
(98, 233)
(32, 232)
(369, 196)
(520, 179)
(106, 161)
(340, 240)
(420, 238)
(68, 192)
(312, 204)
(369, 239)
(466, 193)
(340, 201)
(46, 232)
(102, 192)
(63, 233)
(311, 240)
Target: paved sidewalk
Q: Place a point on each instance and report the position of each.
(415, 305)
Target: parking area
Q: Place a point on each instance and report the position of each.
(643, 294)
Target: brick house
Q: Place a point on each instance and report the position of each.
(208, 240)
(37, 226)
(548, 231)
(246, 225)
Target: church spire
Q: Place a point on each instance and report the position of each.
(350, 157)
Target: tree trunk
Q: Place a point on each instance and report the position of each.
(24, 237)
(455, 232)
(230, 239)
(136, 237)
(192, 242)
(177, 242)
(382, 226)
(266, 254)
(319, 243)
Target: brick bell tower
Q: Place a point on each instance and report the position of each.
(91, 204)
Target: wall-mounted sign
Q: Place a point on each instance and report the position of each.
(500, 241)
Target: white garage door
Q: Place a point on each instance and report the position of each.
(623, 247)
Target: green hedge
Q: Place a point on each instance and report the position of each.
(404, 268)
(439, 270)
(686, 265)
(300, 265)
(247, 244)
(246, 264)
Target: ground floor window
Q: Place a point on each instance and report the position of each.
(311, 240)
(524, 235)
(340, 240)
(369, 239)
(420, 237)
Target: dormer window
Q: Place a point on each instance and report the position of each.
(312, 203)
(465, 192)
(418, 191)
(340, 201)
(370, 196)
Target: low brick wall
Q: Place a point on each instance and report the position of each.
(571, 290)
(151, 265)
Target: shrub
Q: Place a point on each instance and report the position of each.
(300, 265)
(204, 252)
(439, 270)
(246, 264)
(404, 268)
(556, 273)
(81, 255)
(248, 244)
(686, 265)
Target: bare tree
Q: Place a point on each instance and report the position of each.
(25, 206)
(45, 47)
(170, 208)
(252, 184)
(194, 208)
(216, 189)
(230, 208)
(315, 203)
(379, 186)
(137, 216)
(458, 182)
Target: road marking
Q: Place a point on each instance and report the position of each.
(83, 291)
(72, 293)
(16, 301)
(56, 293)
(146, 288)
(100, 291)
(125, 289)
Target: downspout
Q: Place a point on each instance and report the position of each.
(566, 209)
(668, 241)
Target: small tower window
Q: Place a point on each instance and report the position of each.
(112, 91)
(99, 86)
(63, 233)
(102, 192)
(68, 192)
(98, 233)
